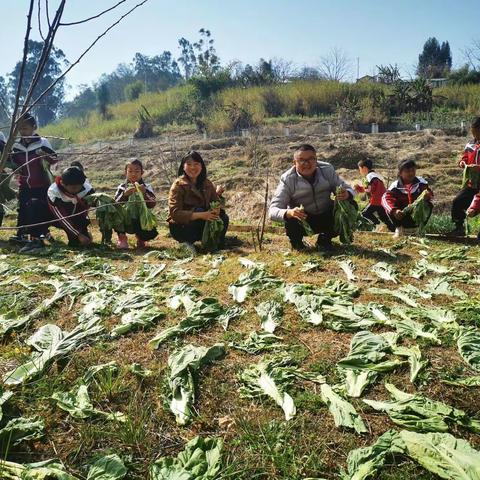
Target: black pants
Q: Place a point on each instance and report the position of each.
(371, 210)
(135, 228)
(407, 220)
(460, 204)
(33, 208)
(192, 232)
(321, 224)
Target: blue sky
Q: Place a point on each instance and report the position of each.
(378, 32)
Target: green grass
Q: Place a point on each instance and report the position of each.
(316, 100)
(259, 444)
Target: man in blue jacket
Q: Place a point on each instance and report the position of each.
(304, 193)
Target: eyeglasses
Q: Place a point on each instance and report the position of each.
(306, 161)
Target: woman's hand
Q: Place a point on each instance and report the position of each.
(398, 214)
(207, 216)
(220, 189)
(297, 212)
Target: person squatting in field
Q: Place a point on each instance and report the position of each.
(374, 187)
(66, 197)
(189, 202)
(304, 194)
(470, 162)
(133, 177)
(403, 192)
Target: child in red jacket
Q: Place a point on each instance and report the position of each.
(471, 161)
(403, 192)
(374, 188)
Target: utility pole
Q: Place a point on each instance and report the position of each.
(358, 68)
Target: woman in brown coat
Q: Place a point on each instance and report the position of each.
(189, 201)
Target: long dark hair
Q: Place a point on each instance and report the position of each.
(196, 157)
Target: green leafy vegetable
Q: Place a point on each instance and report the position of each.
(345, 216)
(110, 467)
(419, 211)
(183, 365)
(212, 231)
(344, 414)
(270, 313)
(200, 460)
(421, 414)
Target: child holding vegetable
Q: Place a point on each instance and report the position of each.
(374, 188)
(133, 184)
(66, 198)
(194, 200)
(403, 193)
(470, 163)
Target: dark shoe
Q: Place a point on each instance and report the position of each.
(18, 239)
(32, 246)
(299, 246)
(458, 231)
(324, 244)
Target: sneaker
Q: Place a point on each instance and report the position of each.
(32, 246)
(410, 232)
(458, 231)
(324, 244)
(398, 232)
(141, 243)
(49, 238)
(19, 239)
(122, 242)
(299, 246)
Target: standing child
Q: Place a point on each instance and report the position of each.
(403, 192)
(32, 155)
(471, 163)
(134, 174)
(375, 188)
(66, 198)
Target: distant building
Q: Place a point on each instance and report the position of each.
(368, 79)
(438, 82)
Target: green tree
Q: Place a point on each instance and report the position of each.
(435, 60)
(103, 100)
(49, 107)
(134, 90)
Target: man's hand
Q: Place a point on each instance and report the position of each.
(398, 214)
(428, 196)
(297, 213)
(342, 195)
(210, 215)
(84, 240)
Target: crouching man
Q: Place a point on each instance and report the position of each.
(304, 195)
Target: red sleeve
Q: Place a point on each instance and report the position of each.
(59, 211)
(389, 201)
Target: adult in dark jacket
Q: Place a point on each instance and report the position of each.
(304, 193)
(189, 202)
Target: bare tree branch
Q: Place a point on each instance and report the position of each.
(39, 15)
(335, 65)
(52, 85)
(94, 17)
(14, 125)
